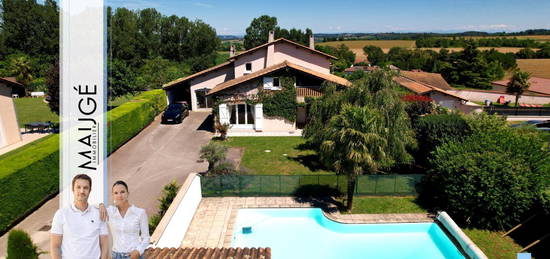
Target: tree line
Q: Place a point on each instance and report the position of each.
(468, 68)
(257, 32)
(146, 48)
(481, 42)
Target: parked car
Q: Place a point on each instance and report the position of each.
(175, 113)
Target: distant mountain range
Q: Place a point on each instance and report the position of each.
(408, 35)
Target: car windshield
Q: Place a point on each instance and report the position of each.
(175, 107)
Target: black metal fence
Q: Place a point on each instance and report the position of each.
(519, 111)
(296, 185)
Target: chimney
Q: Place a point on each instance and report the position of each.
(311, 42)
(232, 51)
(271, 36)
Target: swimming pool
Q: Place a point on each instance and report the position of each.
(307, 233)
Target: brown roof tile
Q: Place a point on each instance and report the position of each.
(432, 79)
(207, 253)
(421, 88)
(538, 85)
(267, 70)
(10, 80)
(283, 40)
(183, 79)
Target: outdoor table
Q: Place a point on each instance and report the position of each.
(41, 126)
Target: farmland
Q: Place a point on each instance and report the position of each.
(357, 46)
(537, 67)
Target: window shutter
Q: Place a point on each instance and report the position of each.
(258, 116)
(224, 114)
(268, 82)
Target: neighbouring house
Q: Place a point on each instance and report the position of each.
(9, 128)
(230, 85)
(539, 86)
(433, 85)
(352, 69)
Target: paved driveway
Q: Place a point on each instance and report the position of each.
(158, 154)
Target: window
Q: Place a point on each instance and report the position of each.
(241, 114)
(272, 83)
(248, 68)
(203, 101)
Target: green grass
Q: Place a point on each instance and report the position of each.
(221, 57)
(32, 110)
(296, 162)
(492, 244)
(385, 204)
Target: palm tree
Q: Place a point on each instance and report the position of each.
(21, 69)
(354, 142)
(518, 84)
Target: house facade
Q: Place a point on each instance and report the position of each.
(231, 85)
(9, 128)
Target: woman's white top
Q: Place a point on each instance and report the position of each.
(130, 232)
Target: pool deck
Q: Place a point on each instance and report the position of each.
(212, 224)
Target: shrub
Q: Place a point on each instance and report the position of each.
(418, 105)
(222, 129)
(36, 166)
(281, 103)
(436, 129)
(490, 180)
(213, 153)
(169, 193)
(20, 246)
(223, 168)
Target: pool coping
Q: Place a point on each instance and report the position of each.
(223, 220)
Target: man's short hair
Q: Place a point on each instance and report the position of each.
(82, 177)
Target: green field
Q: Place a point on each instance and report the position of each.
(493, 244)
(32, 110)
(285, 156)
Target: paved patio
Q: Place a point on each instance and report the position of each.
(212, 224)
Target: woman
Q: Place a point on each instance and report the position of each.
(128, 225)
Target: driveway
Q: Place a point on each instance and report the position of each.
(157, 155)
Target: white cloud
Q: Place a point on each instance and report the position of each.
(486, 27)
(203, 5)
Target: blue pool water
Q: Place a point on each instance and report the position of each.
(307, 233)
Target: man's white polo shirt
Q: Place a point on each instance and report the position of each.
(80, 230)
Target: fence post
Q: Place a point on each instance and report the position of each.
(394, 184)
(375, 183)
(258, 194)
(280, 183)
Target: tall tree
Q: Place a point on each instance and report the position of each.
(148, 37)
(375, 55)
(20, 68)
(123, 32)
(518, 84)
(52, 82)
(258, 31)
(353, 143)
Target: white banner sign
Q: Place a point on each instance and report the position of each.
(83, 97)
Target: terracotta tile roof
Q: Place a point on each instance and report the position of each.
(10, 80)
(283, 40)
(422, 88)
(183, 79)
(432, 79)
(412, 85)
(207, 253)
(538, 84)
(267, 70)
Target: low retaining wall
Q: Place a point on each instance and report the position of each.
(173, 225)
(467, 245)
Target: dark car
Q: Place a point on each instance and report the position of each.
(175, 113)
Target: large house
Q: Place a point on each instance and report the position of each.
(231, 84)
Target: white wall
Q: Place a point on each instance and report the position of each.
(175, 230)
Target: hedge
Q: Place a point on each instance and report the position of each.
(29, 174)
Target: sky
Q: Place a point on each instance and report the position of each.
(339, 16)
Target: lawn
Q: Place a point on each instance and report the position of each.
(36, 109)
(33, 109)
(285, 155)
(385, 204)
(492, 244)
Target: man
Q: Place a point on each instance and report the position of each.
(77, 231)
